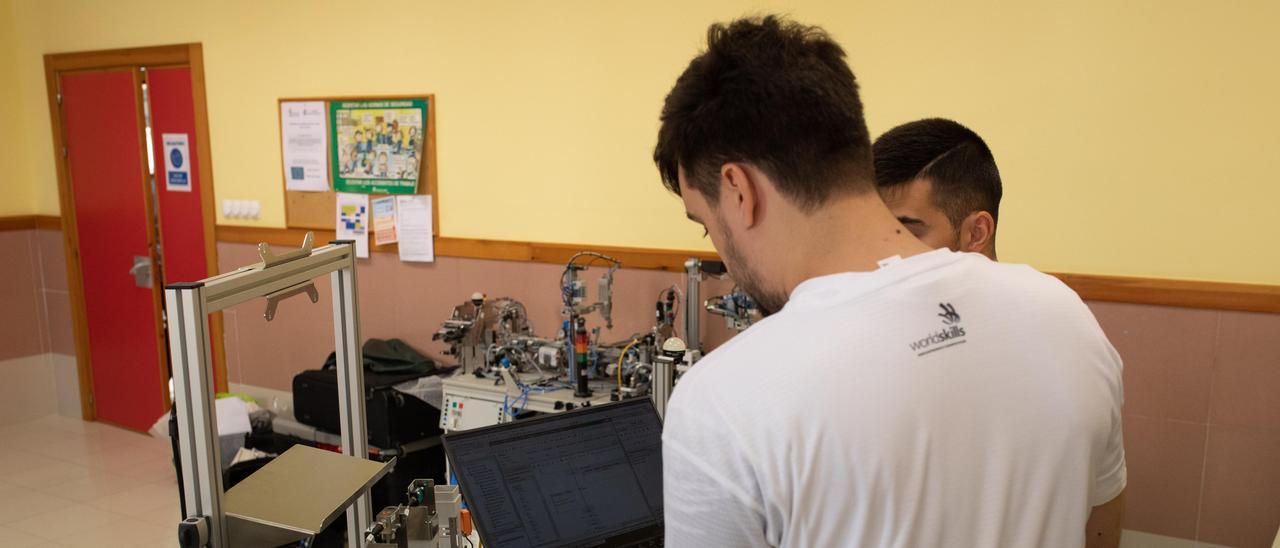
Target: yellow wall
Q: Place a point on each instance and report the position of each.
(1135, 138)
(19, 192)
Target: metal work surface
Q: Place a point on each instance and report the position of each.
(303, 489)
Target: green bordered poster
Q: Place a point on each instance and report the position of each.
(377, 145)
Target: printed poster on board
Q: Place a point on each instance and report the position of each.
(377, 145)
(302, 135)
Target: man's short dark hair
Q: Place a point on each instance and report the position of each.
(777, 95)
(952, 157)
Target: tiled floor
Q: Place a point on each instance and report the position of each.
(65, 482)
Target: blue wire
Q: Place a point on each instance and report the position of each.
(511, 409)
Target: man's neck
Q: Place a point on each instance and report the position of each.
(852, 234)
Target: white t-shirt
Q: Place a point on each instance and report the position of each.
(942, 400)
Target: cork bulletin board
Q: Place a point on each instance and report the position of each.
(315, 210)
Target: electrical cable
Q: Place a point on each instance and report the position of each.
(566, 292)
(595, 256)
(513, 408)
(621, 357)
(675, 310)
(625, 341)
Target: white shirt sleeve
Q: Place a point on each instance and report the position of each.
(710, 497)
(1111, 473)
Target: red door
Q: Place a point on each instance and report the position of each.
(102, 128)
(181, 211)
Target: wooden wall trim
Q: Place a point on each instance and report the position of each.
(631, 257)
(17, 222)
(174, 54)
(48, 222)
(30, 222)
(1091, 287)
(1184, 293)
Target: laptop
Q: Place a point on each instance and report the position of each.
(588, 477)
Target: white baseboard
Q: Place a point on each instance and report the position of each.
(29, 390)
(66, 380)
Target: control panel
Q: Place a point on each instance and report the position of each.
(463, 412)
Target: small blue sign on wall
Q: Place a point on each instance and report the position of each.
(177, 167)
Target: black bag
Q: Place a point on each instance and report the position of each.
(389, 356)
(393, 418)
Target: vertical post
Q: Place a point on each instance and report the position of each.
(193, 396)
(664, 375)
(692, 304)
(346, 331)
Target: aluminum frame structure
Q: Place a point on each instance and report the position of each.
(692, 304)
(188, 306)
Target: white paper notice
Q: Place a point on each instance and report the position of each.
(177, 162)
(233, 417)
(413, 227)
(384, 220)
(304, 141)
(353, 221)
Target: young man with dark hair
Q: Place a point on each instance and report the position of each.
(899, 395)
(940, 180)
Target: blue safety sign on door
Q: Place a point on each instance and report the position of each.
(177, 162)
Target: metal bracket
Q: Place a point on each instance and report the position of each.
(273, 299)
(270, 259)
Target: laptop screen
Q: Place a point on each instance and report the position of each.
(583, 477)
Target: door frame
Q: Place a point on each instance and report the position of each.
(190, 55)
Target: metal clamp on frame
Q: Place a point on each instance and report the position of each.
(270, 259)
(274, 299)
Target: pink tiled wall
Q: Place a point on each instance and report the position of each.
(1202, 413)
(53, 266)
(23, 334)
(1201, 420)
(36, 313)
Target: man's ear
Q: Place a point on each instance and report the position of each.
(739, 194)
(978, 233)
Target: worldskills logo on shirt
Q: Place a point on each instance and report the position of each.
(949, 336)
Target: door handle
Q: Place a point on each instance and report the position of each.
(141, 271)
